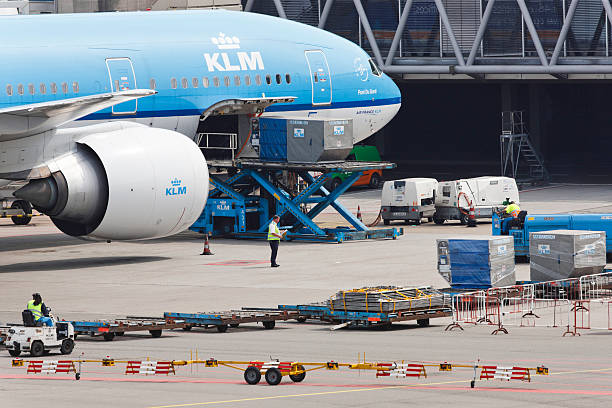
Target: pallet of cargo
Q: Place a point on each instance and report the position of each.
(108, 329)
(230, 318)
(364, 319)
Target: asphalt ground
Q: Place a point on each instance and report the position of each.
(87, 280)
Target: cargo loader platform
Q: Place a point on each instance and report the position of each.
(231, 318)
(242, 205)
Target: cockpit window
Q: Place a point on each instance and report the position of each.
(375, 70)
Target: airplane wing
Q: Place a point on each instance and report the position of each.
(25, 120)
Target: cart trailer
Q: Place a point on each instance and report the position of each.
(231, 318)
(108, 329)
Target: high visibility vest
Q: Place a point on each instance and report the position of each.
(513, 210)
(36, 310)
(273, 229)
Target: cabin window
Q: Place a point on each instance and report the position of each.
(258, 79)
(205, 82)
(43, 89)
(375, 70)
(195, 82)
(20, 89)
(31, 89)
(152, 84)
(278, 79)
(216, 81)
(247, 80)
(268, 79)
(288, 78)
(184, 83)
(64, 87)
(226, 81)
(173, 83)
(53, 88)
(75, 87)
(9, 90)
(237, 80)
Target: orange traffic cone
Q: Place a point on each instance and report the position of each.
(359, 214)
(206, 250)
(472, 216)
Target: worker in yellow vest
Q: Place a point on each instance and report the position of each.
(513, 210)
(511, 217)
(39, 310)
(274, 237)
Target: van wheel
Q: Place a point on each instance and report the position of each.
(375, 181)
(465, 218)
(27, 209)
(438, 220)
(67, 346)
(37, 349)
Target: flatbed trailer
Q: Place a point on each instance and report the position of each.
(242, 205)
(231, 318)
(364, 319)
(108, 329)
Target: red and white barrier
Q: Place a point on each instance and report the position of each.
(50, 367)
(150, 367)
(505, 373)
(401, 370)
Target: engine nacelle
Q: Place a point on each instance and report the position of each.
(133, 182)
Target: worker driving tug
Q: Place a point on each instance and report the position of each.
(39, 310)
(511, 216)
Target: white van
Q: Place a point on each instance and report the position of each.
(408, 199)
(487, 193)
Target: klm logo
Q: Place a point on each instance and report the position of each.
(176, 188)
(241, 61)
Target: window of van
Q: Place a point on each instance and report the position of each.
(446, 190)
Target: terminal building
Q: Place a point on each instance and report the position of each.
(461, 65)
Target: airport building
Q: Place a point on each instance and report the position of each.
(459, 65)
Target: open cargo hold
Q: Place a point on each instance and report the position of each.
(408, 199)
(477, 263)
(486, 194)
(304, 140)
(562, 254)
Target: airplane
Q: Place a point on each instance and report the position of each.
(94, 108)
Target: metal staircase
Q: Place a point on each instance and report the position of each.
(519, 159)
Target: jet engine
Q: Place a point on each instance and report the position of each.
(133, 182)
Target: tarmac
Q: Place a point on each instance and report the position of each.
(97, 280)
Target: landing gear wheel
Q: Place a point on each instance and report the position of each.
(155, 333)
(222, 328)
(234, 325)
(27, 209)
(423, 322)
(298, 377)
(252, 375)
(187, 328)
(119, 334)
(387, 222)
(37, 349)
(269, 325)
(108, 336)
(273, 376)
(438, 220)
(67, 346)
(465, 218)
(375, 181)
(15, 352)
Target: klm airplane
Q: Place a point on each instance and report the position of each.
(94, 108)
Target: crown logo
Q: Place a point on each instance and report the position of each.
(175, 182)
(224, 42)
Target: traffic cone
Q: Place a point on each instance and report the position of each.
(206, 250)
(359, 214)
(472, 217)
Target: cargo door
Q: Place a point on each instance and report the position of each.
(122, 78)
(320, 77)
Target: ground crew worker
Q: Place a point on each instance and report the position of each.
(274, 237)
(513, 210)
(511, 219)
(39, 310)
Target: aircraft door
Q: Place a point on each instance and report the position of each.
(320, 77)
(122, 78)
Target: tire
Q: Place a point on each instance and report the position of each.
(387, 222)
(269, 325)
(108, 336)
(26, 207)
(222, 328)
(234, 325)
(335, 183)
(252, 375)
(187, 328)
(15, 352)
(417, 222)
(423, 322)
(119, 334)
(301, 319)
(375, 181)
(77, 376)
(37, 349)
(429, 219)
(67, 346)
(438, 220)
(298, 377)
(273, 376)
(465, 218)
(155, 333)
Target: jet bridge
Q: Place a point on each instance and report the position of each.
(242, 205)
